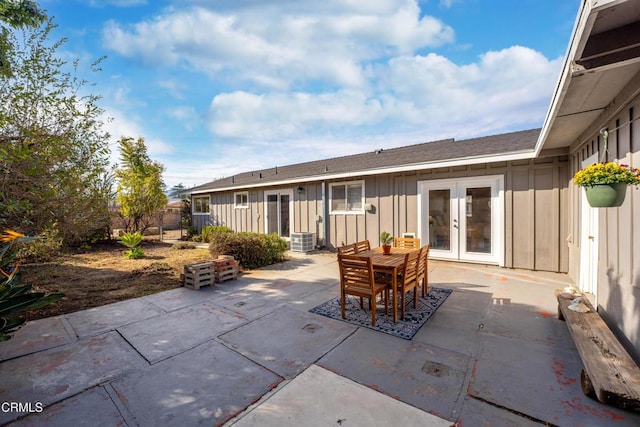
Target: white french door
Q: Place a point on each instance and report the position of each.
(278, 208)
(462, 218)
(588, 271)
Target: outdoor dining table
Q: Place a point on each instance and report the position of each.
(391, 264)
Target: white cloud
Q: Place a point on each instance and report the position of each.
(322, 41)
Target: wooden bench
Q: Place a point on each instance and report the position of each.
(609, 375)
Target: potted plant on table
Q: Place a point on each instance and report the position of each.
(606, 183)
(386, 239)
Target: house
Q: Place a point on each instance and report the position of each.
(472, 200)
(505, 199)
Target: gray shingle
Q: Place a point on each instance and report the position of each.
(427, 152)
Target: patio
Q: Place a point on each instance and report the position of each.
(248, 352)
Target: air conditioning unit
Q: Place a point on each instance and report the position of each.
(303, 242)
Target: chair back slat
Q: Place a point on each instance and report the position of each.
(356, 272)
(410, 271)
(406, 242)
(362, 246)
(347, 249)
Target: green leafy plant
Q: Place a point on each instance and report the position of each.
(15, 298)
(251, 250)
(132, 240)
(386, 238)
(607, 173)
(209, 230)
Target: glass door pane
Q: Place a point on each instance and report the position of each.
(440, 219)
(284, 215)
(272, 213)
(478, 220)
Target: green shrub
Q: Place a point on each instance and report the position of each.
(209, 230)
(134, 253)
(43, 249)
(132, 240)
(251, 250)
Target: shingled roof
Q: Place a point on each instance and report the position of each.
(422, 156)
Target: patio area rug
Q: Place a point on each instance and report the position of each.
(407, 328)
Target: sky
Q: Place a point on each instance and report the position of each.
(219, 87)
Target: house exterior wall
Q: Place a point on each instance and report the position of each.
(535, 209)
(618, 271)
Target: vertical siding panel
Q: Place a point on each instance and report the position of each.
(508, 219)
(523, 227)
(411, 204)
(386, 212)
(565, 212)
(635, 202)
(545, 255)
(624, 219)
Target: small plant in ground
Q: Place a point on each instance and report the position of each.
(251, 250)
(15, 298)
(132, 240)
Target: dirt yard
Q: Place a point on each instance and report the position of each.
(102, 275)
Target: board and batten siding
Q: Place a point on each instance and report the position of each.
(536, 206)
(618, 273)
(535, 225)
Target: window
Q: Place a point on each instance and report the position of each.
(241, 200)
(347, 197)
(201, 205)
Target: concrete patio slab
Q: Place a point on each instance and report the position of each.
(318, 398)
(248, 304)
(165, 336)
(37, 336)
(453, 329)
(206, 385)
(477, 413)
(81, 410)
(427, 377)
(285, 289)
(287, 341)
(541, 382)
(524, 322)
(178, 298)
(52, 375)
(109, 317)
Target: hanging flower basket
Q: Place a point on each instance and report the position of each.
(606, 195)
(606, 183)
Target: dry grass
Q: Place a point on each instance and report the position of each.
(103, 275)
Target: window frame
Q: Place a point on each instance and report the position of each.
(194, 205)
(245, 205)
(345, 184)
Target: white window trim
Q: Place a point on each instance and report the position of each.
(237, 206)
(193, 205)
(344, 184)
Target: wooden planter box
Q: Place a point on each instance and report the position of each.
(198, 275)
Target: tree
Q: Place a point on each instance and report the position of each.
(140, 185)
(16, 13)
(53, 151)
(178, 192)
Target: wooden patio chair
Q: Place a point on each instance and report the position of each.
(406, 242)
(357, 278)
(362, 246)
(423, 269)
(409, 281)
(347, 249)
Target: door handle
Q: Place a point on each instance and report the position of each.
(590, 237)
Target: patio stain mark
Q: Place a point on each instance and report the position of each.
(311, 327)
(603, 414)
(240, 304)
(55, 362)
(436, 369)
(546, 314)
(558, 369)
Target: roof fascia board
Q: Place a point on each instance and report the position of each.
(518, 155)
(583, 25)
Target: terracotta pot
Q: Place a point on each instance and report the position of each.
(386, 249)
